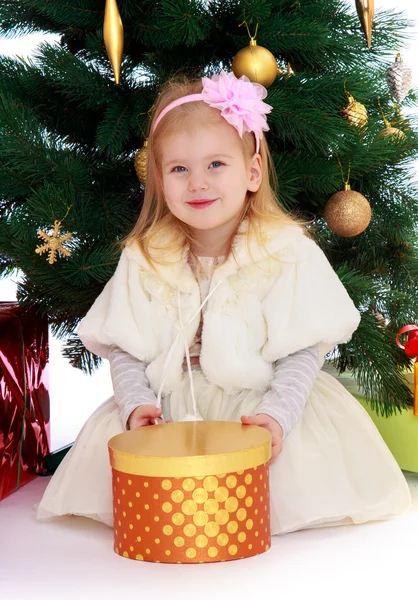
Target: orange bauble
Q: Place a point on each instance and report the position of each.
(191, 492)
(347, 213)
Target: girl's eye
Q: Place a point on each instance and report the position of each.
(179, 169)
(217, 163)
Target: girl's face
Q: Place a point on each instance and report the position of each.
(206, 177)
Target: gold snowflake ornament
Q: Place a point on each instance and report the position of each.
(54, 243)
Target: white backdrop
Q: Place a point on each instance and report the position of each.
(74, 395)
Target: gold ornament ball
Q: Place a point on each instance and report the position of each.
(257, 63)
(141, 160)
(348, 213)
(390, 131)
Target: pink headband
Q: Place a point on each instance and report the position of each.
(239, 100)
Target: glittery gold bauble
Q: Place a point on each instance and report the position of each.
(257, 63)
(355, 112)
(390, 131)
(113, 36)
(365, 11)
(141, 159)
(347, 213)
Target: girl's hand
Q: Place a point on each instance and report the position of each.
(273, 426)
(144, 415)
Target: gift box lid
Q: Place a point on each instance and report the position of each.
(188, 448)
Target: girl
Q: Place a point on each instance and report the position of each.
(222, 308)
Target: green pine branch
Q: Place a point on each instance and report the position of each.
(68, 137)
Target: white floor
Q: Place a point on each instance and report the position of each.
(73, 558)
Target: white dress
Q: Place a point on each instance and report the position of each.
(334, 467)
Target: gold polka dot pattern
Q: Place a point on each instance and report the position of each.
(194, 519)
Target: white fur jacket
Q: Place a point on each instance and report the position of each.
(263, 307)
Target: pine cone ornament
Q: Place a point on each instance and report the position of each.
(355, 112)
(399, 78)
(392, 132)
(141, 160)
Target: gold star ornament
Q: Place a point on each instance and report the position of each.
(54, 243)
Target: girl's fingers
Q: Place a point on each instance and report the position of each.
(248, 420)
(144, 416)
(276, 448)
(276, 443)
(145, 421)
(153, 415)
(256, 420)
(155, 412)
(275, 451)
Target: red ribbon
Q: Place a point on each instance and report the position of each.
(411, 350)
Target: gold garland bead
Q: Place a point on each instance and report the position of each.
(355, 112)
(347, 213)
(257, 63)
(141, 160)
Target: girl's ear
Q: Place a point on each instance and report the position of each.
(255, 173)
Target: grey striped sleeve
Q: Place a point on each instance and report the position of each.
(285, 401)
(292, 383)
(130, 384)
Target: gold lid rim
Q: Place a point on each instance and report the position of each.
(191, 465)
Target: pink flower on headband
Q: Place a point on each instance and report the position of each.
(240, 102)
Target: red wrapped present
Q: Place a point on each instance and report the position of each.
(411, 350)
(24, 395)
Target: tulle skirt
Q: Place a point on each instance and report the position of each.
(334, 468)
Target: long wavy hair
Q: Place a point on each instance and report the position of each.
(157, 228)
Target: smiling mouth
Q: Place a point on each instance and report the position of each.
(200, 204)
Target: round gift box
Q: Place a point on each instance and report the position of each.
(191, 492)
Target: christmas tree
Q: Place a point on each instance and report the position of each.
(69, 135)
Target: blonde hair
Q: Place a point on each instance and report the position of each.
(155, 219)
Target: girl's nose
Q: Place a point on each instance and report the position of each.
(197, 182)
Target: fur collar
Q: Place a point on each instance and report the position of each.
(276, 240)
